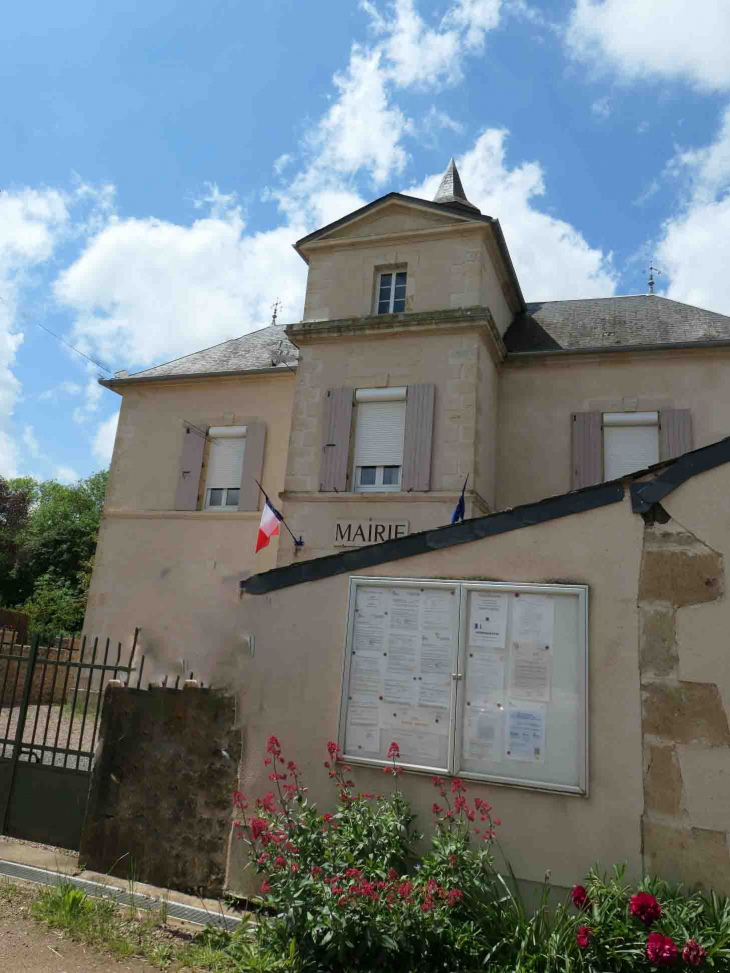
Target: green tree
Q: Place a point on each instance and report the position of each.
(15, 501)
(48, 567)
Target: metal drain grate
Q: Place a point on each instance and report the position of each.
(42, 876)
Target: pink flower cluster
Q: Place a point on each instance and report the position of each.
(461, 813)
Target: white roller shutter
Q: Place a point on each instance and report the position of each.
(225, 464)
(630, 442)
(379, 433)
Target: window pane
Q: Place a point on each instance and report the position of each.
(391, 475)
(232, 497)
(400, 279)
(385, 281)
(399, 306)
(215, 498)
(384, 307)
(367, 475)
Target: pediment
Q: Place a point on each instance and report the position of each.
(393, 216)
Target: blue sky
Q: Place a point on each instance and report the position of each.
(159, 159)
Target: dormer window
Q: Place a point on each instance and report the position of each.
(391, 291)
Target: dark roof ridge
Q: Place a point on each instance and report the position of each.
(643, 496)
(614, 297)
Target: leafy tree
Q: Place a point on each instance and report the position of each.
(47, 566)
(15, 500)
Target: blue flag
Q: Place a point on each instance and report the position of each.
(460, 509)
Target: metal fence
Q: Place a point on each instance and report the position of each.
(50, 708)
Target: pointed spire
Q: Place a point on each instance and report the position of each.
(451, 192)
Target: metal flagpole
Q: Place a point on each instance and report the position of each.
(280, 518)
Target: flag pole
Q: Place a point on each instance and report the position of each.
(300, 541)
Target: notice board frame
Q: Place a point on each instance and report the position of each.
(580, 788)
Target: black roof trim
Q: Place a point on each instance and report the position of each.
(645, 495)
(467, 531)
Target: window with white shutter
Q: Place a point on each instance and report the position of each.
(630, 442)
(379, 430)
(225, 466)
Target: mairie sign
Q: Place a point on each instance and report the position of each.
(354, 533)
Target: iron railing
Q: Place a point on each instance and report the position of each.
(51, 697)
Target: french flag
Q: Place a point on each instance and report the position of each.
(269, 525)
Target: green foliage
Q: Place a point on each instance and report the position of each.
(63, 905)
(46, 555)
(347, 890)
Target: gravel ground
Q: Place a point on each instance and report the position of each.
(50, 719)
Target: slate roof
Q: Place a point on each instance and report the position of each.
(259, 349)
(451, 190)
(610, 322)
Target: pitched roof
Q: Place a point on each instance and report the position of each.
(266, 348)
(646, 497)
(451, 190)
(613, 322)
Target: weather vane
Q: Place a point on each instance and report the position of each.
(275, 307)
(652, 270)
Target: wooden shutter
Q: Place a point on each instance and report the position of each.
(587, 449)
(253, 466)
(188, 482)
(336, 445)
(418, 438)
(675, 433)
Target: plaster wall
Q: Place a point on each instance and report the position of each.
(536, 401)
(292, 689)
(460, 366)
(450, 271)
(175, 573)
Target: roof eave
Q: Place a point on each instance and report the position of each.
(606, 349)
(116, 383)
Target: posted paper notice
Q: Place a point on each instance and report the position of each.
(525, 733)
(487, 619)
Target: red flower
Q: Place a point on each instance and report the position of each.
(273, 746)
(393, 751)
(332, 749)
(262, 858)
(265, 887)
(660, 950)
(316, 871)
(258, 827)
(267, 802)
(327, 817)
(693, 953)
(645, 907)
(583, 936)
(294, 867)
(405, 890)
(279, 862)
(392, 874)
(437, 809)
(239, 800)
(580, 897)
(353, 873)
(457, 784)
(455, 895)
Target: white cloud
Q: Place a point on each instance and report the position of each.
(66, 474)
(147, 290)
(687, 39)
(552, 259)
(31, 223)
(694, 249)
(103, 444)
(283, 162)
(30, 442)
(65, 388)
(601, 108)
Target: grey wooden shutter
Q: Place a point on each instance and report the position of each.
(418, 438)
(587, 449)
(253, 466)
(675, 433)
(336, 443)
(186, 497)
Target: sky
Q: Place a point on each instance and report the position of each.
(159, 159)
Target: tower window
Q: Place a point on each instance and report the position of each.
(391, 294)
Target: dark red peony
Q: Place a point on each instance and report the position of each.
(660, 950)
(645, 907)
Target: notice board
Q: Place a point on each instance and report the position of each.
(483, 680)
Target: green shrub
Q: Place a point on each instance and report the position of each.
(346, 890)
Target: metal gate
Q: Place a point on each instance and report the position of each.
(50, 707)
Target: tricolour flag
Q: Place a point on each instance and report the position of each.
(269, 525)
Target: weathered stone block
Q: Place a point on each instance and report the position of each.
(657, 648)
(706, 776)
(679, 569)
(696, 857)
(689, 712)
(663, 782)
